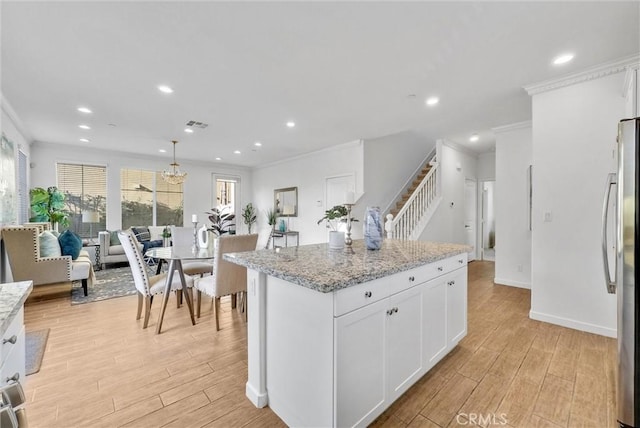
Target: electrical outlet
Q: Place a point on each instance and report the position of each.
(548, 216)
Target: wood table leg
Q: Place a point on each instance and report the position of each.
(185, 291)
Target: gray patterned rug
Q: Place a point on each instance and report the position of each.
(109, 283)
(35, 344)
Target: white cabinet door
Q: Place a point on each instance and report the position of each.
(360, 364)
(456, 306)
(434, 301)
(404, 340)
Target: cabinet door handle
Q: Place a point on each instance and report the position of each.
(389, 311)
(13, 339)
(367, 294)
(412, 278)
(395, 310)
(14, 378)
(440, 268)
(461, 261)
(451, 282)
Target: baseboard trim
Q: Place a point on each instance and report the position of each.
(576, 325)
(512, 283)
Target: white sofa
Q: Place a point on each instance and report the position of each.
(115, 253)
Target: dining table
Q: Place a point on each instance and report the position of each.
(174, 256)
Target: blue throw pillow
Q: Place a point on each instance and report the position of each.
(70, 244)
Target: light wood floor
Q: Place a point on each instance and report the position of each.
(101, 369)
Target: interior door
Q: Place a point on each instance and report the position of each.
(470, 210)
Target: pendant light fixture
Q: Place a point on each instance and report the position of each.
(174, 176)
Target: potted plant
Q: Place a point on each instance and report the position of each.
(271, 221)
(221, 220)
(332, 217)
(48, 205)
(249, 215)
(166, 237)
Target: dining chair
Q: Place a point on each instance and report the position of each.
(183, 237)
(226, 278)
(147, 286)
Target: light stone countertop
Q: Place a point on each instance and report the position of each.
(12, 297)
(321, 269)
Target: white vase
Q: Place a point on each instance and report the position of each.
(336, 240)
(203, 237)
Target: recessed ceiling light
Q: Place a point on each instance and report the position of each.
(237, 152)
(563, 59)
(166, 89)
(162, 150)
(431, 101)
(291, 124)
(113, 125)
(84, 110)
(257, 144)
(474, 138)
(218, 158)
(84, 140)
(84, 127)
(188, 130)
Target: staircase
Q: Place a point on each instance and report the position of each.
(408, 218)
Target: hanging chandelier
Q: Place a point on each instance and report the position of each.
(174, 176)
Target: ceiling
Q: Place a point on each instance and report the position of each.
(340, 71)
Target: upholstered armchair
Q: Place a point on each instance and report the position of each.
(23, 250)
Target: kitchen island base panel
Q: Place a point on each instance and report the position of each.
(316, 356)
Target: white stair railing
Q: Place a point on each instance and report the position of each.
(413, 214)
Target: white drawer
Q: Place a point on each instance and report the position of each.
(357, 296)
(14, 363)
(14, 330)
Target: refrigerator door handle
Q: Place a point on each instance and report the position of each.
(611, 283)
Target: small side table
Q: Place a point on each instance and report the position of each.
(286, 235)
(96, 248)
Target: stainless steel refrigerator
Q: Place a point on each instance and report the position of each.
(626, 258)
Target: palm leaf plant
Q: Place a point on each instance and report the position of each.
(48, 205)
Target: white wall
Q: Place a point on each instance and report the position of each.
(574, 131)
(487, 166)
(513, 237)
(198, 188)
(13, 133)
(308, 173)
(390, 162)
(447, 223)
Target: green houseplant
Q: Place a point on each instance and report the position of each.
(272, 219)
(332, 217)
(221, 220)
(48, 205)
(249, 215)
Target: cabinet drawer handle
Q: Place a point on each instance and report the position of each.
(367, 294)
(14, 378)
(451, 282)
(395, 310)
(440, 268)
(412, 278)
(461, 261)
(13, 339)
(389, 311)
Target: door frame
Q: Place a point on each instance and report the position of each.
(474, 254)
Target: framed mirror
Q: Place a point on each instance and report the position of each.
(285, 202)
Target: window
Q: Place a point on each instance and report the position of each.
(23, 192)
(226, 196)
(147, 200)
(85, 190)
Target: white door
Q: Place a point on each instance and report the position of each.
(434, 299)
(470, 209)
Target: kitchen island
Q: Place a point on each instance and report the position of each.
(336, 336)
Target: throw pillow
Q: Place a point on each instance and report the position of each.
(49, 245)
(142, 233)
(113, 238)
(70, 244)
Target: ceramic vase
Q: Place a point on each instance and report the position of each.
(336, 240)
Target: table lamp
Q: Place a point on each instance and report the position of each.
(90, 217)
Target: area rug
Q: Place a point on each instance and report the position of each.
(109, 283)
(35, 344)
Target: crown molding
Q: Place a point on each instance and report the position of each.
(592, 73)
(459, 148)
(18, 123)
(512, 127)
(305, 155)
